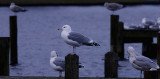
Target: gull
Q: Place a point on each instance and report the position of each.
(147, 23)
(158, 21)
(140, 62)
(113, 6)
(15, 8)
(58, 63)
(75, 39)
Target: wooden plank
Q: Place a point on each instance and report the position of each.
(139, 33)
(4, 56)
(13, 35)
(134, 39)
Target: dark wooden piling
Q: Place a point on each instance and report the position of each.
(114, 29)
(120, 42)
(4, 56)
(13, 36)
(111, 65)
(72, 66)
(152, 74)
(147, 48)
(114, 32)
(158, 48)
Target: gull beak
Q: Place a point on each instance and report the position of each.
(59, 29)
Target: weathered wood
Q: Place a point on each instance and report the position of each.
(120, 43)
(152, 74)
(13, 35)
(72, 66)
(134, 39)
(158, 48)
(147, 47)
(140, 33)
(4, 56)
(114, 31)
(30, 77)
(111, 65)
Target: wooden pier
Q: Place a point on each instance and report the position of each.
(120, 36)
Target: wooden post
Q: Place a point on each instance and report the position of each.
(111, 65)
(4, 56)
(13, 35)
(72, 66)
(158, 49)
(152, 74)
(147, 49)
(120, 43)
(114, 29)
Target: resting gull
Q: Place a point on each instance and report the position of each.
(58, 63)
(140, 62)
(113, 6)
(158, 21)
(15, 8)
(146, 22)
(75, 39)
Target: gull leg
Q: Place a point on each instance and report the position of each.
(141, 75)
(112, 12)
(74, 50)
(60, 74)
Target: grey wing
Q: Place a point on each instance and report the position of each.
(114, 6)
(78, 38)
(144, 62)
(18, 8)
(59, 61)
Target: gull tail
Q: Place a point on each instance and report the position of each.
(24, 10)
(95, 44)
(81, 66)
(92, 44)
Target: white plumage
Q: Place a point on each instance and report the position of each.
(15, 8)
(75, 39)
(140, 62)
(113, 6)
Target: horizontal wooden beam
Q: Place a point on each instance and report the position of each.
(30, 77)
(139, 33)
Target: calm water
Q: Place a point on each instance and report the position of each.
(38, 36)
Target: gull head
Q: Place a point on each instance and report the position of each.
(12, 3)
(65, 28)
(144, 20)
(105, 4)
(53, 54)
(158, 20)
(131, 52)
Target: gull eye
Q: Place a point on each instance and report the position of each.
(64, 27)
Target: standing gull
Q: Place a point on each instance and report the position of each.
(113, 6)
(75, 39)
(15, 8)
(140, 62)
(58, 63)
